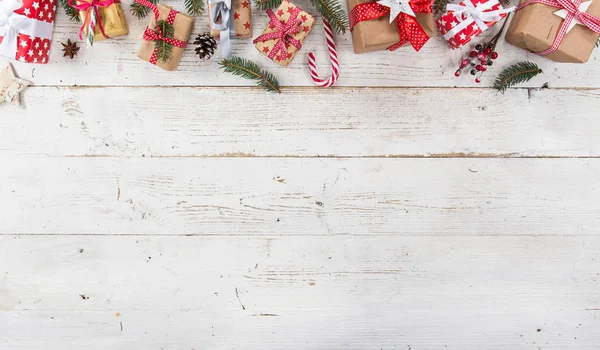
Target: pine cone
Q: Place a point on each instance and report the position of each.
(206, 46)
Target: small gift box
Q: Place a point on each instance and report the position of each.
(373, 29)
(105, 18)
(288, 27)
(165, 37)
(468, 19)
(26, 32)
(541, 27)
(235, 21)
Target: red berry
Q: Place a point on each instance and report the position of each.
(477, 80)
(464, 62)
(483, 68)
(478, 67)
(487, 50)
(494, 55)
(473, 53)
(482, 57)
(457, 73)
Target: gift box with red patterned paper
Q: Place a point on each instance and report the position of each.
(468, 19)
(26, 33)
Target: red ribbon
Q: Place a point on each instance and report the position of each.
(409, 29)
(86, 7)
(592, 22)
(283, 33)
(156, 34)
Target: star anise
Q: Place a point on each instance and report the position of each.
(70, 49)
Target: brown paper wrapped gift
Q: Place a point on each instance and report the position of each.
(242, 20)
(182, 25)
(112, 19)
(379, 34)
(306, 23)
(534, 28)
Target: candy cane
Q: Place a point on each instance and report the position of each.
(335, 66)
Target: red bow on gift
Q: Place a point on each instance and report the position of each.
(283, 32)
(87, 7)
(408, 28)
(572, 8)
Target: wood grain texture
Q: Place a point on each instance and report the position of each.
(258, 196)
(219, 122)
(114, 62)
(300, 292)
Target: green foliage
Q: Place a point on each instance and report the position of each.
(194, 7)
(267, 4)
(439, 6)
(164, 49)
(140, 11)
(250, 70)
(333, 12)
(71, 12)
(517, 73)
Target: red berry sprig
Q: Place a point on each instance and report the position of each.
(482, 57)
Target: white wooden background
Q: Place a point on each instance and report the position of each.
(403, 209)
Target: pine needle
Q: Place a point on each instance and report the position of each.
(139, 10)
(250, 70)
(439, 6)
(517, 73)
(598, 43)
(333, 12)
(267, 4)
(194, 7)
(71, 12)
(164, 49)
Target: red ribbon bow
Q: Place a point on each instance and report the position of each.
(283, 33)
(409, 29)
(86, 7)
(592, 22)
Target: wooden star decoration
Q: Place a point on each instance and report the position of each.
(11, 86)
(563, 14)
(397, 7)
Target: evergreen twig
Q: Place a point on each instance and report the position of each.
(71, 12)
(194, 7)
(164, 49)
(517, 73)
(267, 4)
(139, 10)
(333, 12)
(439, 6)
(250, 70)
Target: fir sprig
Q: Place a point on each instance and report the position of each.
(250, 70)
(517, 73)
(71, 12)
(194, 7)
(439, 6)
(333, 12)
(139, 10)
(267, 4)
(164, 49)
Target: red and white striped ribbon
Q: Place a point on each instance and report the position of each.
(335, 65)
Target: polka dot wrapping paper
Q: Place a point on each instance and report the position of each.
(449, 22)
(34, 46)
(305, 23)
(242, 20)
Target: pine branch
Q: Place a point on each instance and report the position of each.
(439, 6)
(517, 73)
(139, 10)
(334, 13)
(598, 43)
(267, 4)
(194, 7)
(164, 49)
(71, 12)
(250, 70)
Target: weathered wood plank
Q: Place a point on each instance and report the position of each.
(299, 196)
(465, 293)
(340, 122)
(114, 62)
